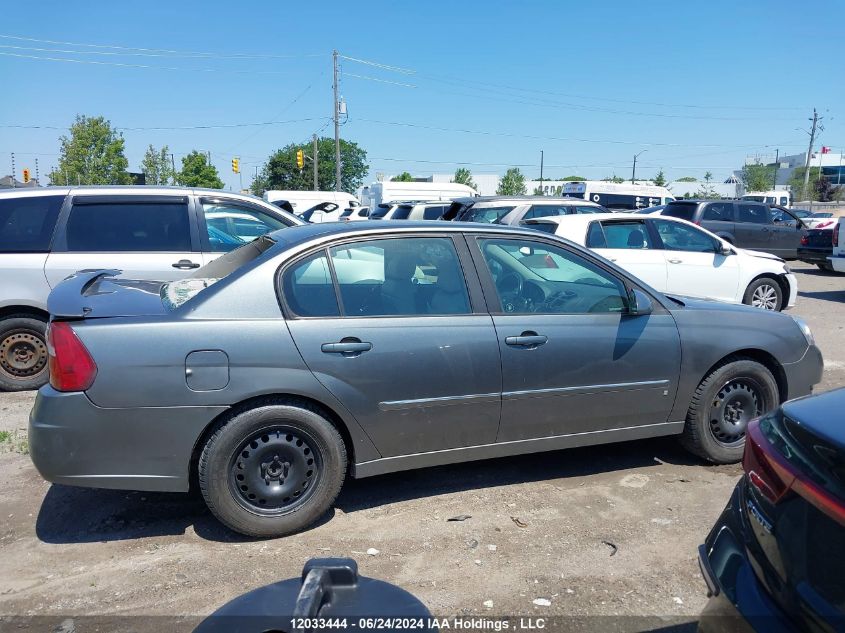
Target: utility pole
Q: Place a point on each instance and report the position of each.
(316, 183)
(634, 170)
(173, 169)
(37, 176)
(815, 120)
(13, 170)
(775, 177)
(336, 127)
(541, 172)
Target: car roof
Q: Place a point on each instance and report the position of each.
(525, 198)
(146, 190)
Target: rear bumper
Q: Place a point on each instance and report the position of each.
(804, 374)
(738, 601)
(838, 263)
(74, 442)
(814, 255)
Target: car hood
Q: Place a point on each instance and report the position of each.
(759, 255)
(690, 303)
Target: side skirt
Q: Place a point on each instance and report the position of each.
(517, 447)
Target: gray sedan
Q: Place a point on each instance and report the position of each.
(358, 349)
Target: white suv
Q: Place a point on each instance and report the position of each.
(160, 233)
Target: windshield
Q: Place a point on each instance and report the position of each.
(489, 215)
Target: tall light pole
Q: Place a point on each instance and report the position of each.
(634, 170)
(336, 127)
(815, 121)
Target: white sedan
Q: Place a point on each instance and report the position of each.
(677, 257)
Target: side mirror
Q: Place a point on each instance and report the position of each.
(639, 303)
(725, 250)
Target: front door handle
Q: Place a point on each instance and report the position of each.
(347, 348)
(526, 339)
(676, 261)
(185, 264)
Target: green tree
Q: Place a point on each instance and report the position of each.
(198, 172)
(92, 154)
(614, 178)
(687, 179)
(512, 183)
(403, 177)
(660, 180)
(796, 184)
(707, 190)
(573, 179)
(463, 176)
(826, 191)
(280, 170)
(157, 167)
(758, 177)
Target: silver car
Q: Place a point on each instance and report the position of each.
(358, 349)
(161, 233)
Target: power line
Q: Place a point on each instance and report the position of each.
(162, 51)
(164, 128)
(552, 138)
(398, 69)
(144, 66)
(381, 81)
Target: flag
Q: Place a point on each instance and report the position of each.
(825, 150)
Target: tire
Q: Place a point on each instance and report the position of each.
(723, 404)
(764, 293)
(272, 470)
(23, 353)
(825, 267)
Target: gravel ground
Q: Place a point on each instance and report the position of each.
(609, 530)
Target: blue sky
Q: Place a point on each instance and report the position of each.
(698, 85)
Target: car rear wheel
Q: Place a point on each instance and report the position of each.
(23, 353)
(825, 267)
(272, 470)
(723, 405)
(764, 293)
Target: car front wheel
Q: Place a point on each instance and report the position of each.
(764, 293)
(725, 401)
(272, 470)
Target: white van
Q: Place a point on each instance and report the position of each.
(377, 193)
(780, 197)
(618, 196)
(302, 201)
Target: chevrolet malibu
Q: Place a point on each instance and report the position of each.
(358, 349)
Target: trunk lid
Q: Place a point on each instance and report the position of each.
(93, 294)
(795, 502)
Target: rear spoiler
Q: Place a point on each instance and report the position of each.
(66, 299)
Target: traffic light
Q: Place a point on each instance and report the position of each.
(26, 176)
(300, 158)
(236, 165)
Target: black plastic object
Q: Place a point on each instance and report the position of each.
(330, 596)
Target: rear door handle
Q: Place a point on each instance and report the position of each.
(185, 264)
(346, 347)
(526, 339)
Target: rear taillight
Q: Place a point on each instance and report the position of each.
(805, 239)
(773, 476)
(836, 234)
(71, 366)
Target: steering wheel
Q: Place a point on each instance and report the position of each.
(509, 286)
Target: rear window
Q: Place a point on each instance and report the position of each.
(433, 213)
(129, 227)
(683, 210)
(27, 223)
(488, 215)
(402, 212)
(380, 211)
(226, 264)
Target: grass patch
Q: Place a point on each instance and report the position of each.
(14, 441)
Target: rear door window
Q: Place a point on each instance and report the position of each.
(753, 213)
(633, 235)
(489, 215)
(129, 227)
(433, 213)
(718, 211)
(546, 211)
(27, 223)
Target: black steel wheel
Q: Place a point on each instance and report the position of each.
(272, 469)
(23, 353)
(726, 400)
(275, 470)
(737, 403)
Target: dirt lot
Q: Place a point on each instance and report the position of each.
(540, 527)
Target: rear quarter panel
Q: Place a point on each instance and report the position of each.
(22, 280)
